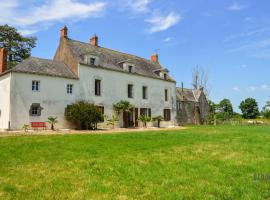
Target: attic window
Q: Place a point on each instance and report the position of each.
(130, 69)
(92, 61)
(165, 76)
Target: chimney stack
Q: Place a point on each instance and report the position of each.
(3, 60)
(154, 58)
(64, 32)
(94, 40)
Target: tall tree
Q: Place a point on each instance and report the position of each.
(200, 80)
(266, 110)
(225, 109)
(249, 108)
(18, 46)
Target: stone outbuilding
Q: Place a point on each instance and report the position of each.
(192, 106)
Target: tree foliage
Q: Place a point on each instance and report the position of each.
(144, 119)
(52, 121)
(123, 106)
(158, 119)
(212, 112)
(266, 110)
(84, 115)
(225, 110)
(249, 108)
(18, 46)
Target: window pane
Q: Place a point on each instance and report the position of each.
(97, 87)
(130, 91)
(166, 95)
(144, 90)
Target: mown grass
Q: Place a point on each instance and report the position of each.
(195, 163)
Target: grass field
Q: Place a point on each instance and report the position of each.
(223, 162)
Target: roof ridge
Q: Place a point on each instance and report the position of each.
(117, 51)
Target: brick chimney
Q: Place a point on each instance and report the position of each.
(94, 40)
(154, 58)
(3, 60)
(64, 32)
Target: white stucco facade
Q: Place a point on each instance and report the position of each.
(17, 95)
(5, 101)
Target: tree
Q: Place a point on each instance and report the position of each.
(111, 121)
(200, 80)
(249, 108)
(158, 119)
(266, 110)
(123, 106)
(225, 110)
(18, 46)
(25, 127)
(52, 121)
(212, 112)
(144, 119)
(84, 114)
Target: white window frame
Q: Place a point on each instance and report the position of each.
(35, 86)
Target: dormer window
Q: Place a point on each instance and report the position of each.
(92, 61)
(130, 69)
(165, 76)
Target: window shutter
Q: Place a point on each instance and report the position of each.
(149, 112)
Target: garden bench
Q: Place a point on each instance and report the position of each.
(36, 125)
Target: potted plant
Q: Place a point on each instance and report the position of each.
(144, 119)
(158, 119)
(112, 121)
(52, 121)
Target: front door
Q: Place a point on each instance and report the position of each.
(128, 119)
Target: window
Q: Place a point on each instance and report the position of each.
(92, 61)
(144, 92)
(97, 87)
(166, 94)
(69, 88)
(35, 109)
(167, 114)
(165, 76)
(35, 86)
(130, 69)
(145, 112)
(130, 91)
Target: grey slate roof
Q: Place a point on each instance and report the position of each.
(47, 67)
(187, 94)
(112, 59)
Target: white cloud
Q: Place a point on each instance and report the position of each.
(161, 23)
(139, 5)
(168, 39)
(236, 89)
(252, 33)
(258, 49)
(31, 16)
(264, 87)
(252, 88)
(237, 7)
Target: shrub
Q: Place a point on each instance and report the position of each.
(144, 119)
(158, 119)
(84, 115)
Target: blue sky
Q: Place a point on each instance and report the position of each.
(230, 39)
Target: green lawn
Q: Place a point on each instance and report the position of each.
(195, 163)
